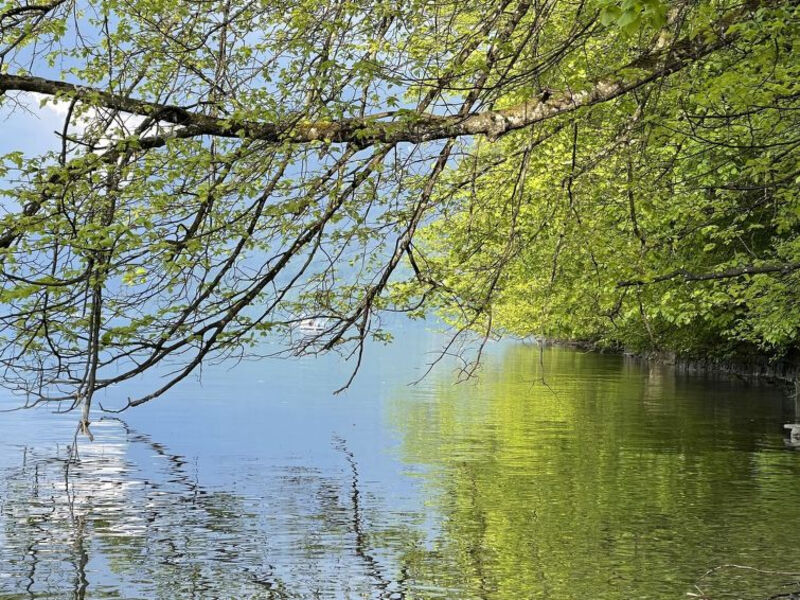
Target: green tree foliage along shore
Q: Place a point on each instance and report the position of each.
(667, 220)
(617, 171)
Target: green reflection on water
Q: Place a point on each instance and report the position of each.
(586, 477)
(591, 477)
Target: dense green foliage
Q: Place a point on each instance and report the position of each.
(636, 223)
(615, 171)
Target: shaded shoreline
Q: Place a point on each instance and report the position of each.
(761, 367)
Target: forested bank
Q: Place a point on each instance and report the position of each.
(619, 172)
(663, 224)
(755, 366)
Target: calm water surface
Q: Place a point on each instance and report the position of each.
(586, 476)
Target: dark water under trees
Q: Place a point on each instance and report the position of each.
(613, 481)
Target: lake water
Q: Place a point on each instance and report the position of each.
(565, 475)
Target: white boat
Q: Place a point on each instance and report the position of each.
(311, 326)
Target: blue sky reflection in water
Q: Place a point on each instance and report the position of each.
(612, 481)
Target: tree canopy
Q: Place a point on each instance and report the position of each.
(616, 171)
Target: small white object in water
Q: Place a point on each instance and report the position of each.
(794, 434)
(311, 326)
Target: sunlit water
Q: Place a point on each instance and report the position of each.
(565, 475)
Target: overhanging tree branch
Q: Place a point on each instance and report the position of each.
(267, 209)
(403, 126)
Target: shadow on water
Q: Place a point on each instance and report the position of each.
(611, 481)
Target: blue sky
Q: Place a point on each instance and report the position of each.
(32, 130)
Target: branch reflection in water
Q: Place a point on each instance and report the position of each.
(611, 481)
(100, 523)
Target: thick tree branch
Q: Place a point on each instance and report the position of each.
(406, 126)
